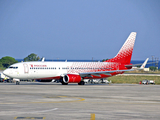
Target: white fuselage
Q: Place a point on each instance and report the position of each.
(51, 70)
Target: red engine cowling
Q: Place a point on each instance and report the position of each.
(71, 78)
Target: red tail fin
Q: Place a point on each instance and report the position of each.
(125, 53)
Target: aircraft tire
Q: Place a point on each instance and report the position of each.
(81, 83)
(100, 81)
(17, 83)
(64, 83)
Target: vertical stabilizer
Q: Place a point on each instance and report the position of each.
(43, 59)
(125, 53)
(144, 64)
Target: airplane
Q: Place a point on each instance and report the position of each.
(142, 65)
(74, 72)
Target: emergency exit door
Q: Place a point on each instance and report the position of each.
(26, 69)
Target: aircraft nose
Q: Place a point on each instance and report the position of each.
(6, 72)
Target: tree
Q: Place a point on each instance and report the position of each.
(138, 66)
(152, 68)
(1, 64)
(7, 61)
(32, 57)
(104, 60)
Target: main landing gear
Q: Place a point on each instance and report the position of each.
(63, 83)
(17, 82)
(81, 83)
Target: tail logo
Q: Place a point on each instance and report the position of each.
(125, 53)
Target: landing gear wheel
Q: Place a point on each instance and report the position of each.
(100, 81)
(17, 82)
(63, 83)
(81, 83)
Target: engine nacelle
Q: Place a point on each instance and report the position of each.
(16, 80)
(71, 78)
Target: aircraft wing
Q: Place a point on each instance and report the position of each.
(88, 74)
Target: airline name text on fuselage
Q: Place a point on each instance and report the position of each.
(38, 65)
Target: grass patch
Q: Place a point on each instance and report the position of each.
(2, 68)
(146, 72)
(133, 79)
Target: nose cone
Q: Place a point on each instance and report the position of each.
(6, 72)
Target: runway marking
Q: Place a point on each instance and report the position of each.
(43, 111)
(92, 116)
(131, 103)
(31, 112)
(8, 103)
(79, 100)
(29, 118)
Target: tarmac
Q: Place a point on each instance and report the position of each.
(53, 101)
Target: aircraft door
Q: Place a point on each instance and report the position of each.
(117, 66)
(26, 69)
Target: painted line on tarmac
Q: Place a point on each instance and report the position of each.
(42, 111)
(31, 112)
(129, 103)
(8, 103)
(78, 100)
(29, 118)
(92, 116)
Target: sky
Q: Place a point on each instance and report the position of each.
(78, 29)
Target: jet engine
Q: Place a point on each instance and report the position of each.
(72, 78)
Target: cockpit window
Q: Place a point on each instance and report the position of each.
(13, 67)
